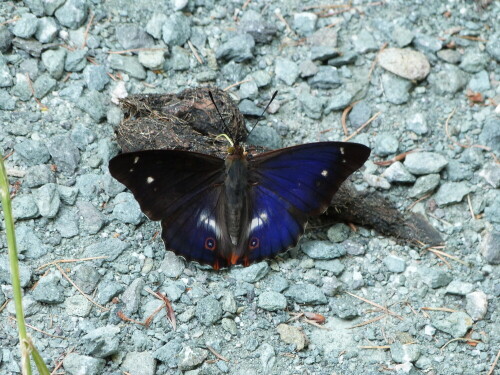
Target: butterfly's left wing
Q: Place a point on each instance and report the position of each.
(185, 191)
(288, 186)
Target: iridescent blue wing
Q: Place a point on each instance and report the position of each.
(289, 185)
(185, 191)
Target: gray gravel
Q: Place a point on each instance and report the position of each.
(439, 55)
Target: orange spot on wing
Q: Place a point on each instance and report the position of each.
(216, 265)
(234, 258)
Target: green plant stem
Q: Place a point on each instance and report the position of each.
(14, 268)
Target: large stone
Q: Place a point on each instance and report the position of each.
(406, 63)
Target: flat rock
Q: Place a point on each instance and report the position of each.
(190, 358)
(460, 288)
(476, 304)
(272, 301)
(77, 364)
(424, 185)
(172, 265)
(490, 247)
(322, 250)
(101, 342)
(78, 305)
(456, 324)
(139, 363)
(208, 310)
(292, 335)
(405, 63)
(419, 163)
(402, 353)
(434, 277)
(251, 274)
(398, 173)
(451, 192)
(308, 294)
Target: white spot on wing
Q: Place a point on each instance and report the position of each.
(150, 179)
(131, 170)
(324, 173)
(136, 159)
(258, 220)
(206, 221)
(342, 151)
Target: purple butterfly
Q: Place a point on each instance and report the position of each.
(241, 209)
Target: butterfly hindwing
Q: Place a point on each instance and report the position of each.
(197, 231)
(290, 184)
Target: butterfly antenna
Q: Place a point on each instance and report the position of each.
(262, 114)
(226, 128)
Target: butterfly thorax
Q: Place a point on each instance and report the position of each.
(236, 186)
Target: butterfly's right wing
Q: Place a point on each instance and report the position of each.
(185, 191)
(288, 186)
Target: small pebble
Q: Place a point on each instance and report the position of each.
(322, 250)
(190, 358)
(395, 264)
(398, 173)
(419, 163)
(272, 301)
(308, 294)
(476, 305)
(75, 363)
(139, 363)
(208, 311)
(456, 324)
(490, 247)
(292, 335)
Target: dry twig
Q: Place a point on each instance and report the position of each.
(42, 106)
(375, 347)
(39, 330)
(368, 322)
(445, 309)
(135, 50)
(122, 316)
(343, 119)
(374, 62)
(60, 363)
(460, 339)
(69, 261)
(195, 53)
(492, 368)
(396, 158)
(376, 305)
(212, 350)
(362, 127)
(87, 29)
(236, 84)
(78, 288)
(470, 207)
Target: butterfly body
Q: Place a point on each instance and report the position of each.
(240, 209)
(236, 191)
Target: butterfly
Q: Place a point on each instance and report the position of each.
(240, 209)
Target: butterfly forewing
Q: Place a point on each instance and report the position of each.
(290, 184)
(163, 181)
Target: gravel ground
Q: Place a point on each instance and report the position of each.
(441, 61)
